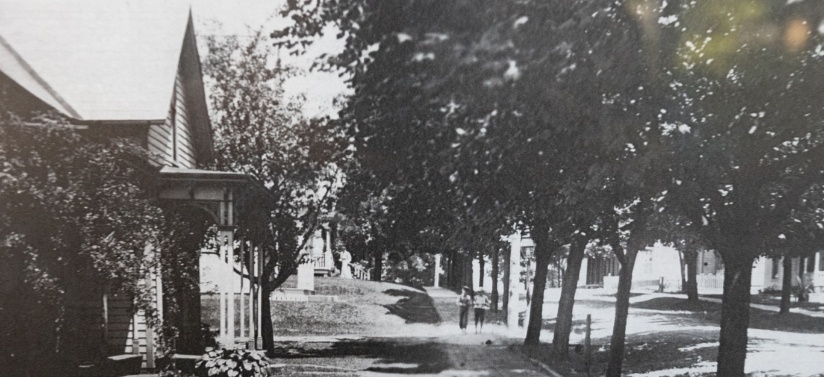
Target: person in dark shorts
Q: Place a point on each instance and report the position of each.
(481, 305)
(464, 302)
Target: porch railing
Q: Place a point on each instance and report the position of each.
(319, 262)
(361, 273)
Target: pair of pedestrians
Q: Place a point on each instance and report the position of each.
(477, 300)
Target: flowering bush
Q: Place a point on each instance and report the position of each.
(231, 363)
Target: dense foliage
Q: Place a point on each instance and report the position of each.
(74, 222)
(231, 363)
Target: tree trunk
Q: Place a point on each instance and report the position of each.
(494, 294)
(467, 271)
(377, 253)
(267, 331)
(481, 270)
(735, 316)
(505, 298)
(786, 285)
(563, 323)
(691, 257)
(619, 329)
(543, 254)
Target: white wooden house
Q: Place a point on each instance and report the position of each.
(129, 69)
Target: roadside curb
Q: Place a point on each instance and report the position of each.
(536, 362)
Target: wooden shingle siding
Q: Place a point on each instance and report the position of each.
(159, 143)
(185, 154)
(119, 334)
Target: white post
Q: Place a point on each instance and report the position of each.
(260, 297)
(222, 251)
(241, 295)
(514, 283)
(252, 305)
(230, 318)
(437, 270)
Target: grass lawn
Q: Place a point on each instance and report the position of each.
(366, 308)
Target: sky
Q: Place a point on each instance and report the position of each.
(238, 17)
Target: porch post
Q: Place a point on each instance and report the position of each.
(222, 251)
(252, 305)
(260, 260)
(230, 301)
(514, 276)
(241, 294)
(437, 270)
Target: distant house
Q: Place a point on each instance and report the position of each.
(661, 264)
(808, 270)
(122, 69)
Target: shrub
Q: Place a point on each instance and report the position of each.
(231, 363)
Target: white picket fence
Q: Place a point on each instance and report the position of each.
(707, 284)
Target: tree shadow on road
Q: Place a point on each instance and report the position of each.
(414, 307)
(391, 357)
(709, 313)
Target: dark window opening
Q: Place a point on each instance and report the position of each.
(775, 267)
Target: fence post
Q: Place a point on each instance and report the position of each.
(588, 345)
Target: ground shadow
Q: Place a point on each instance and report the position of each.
(417, 358)
(414, 307)
(709, 313)
(643, 353)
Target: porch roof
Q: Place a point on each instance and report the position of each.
(170, 173)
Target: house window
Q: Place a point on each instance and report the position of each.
(775, 267)
(811, 263)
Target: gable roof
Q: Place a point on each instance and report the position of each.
(95, 60)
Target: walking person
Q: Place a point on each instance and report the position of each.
(464, 302)
(481, 304)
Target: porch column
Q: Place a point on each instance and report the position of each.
(437, 270)
(252, 305)
(514, 276)
(260, 260)
(222, 251)
(230, 299)
(241, 295)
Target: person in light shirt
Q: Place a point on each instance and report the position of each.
(481, 305)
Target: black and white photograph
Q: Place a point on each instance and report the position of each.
(385, 188)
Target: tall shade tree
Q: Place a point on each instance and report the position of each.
(516, 105)
(296, 160)
(746, 129)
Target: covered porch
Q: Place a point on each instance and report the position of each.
(217, 194)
